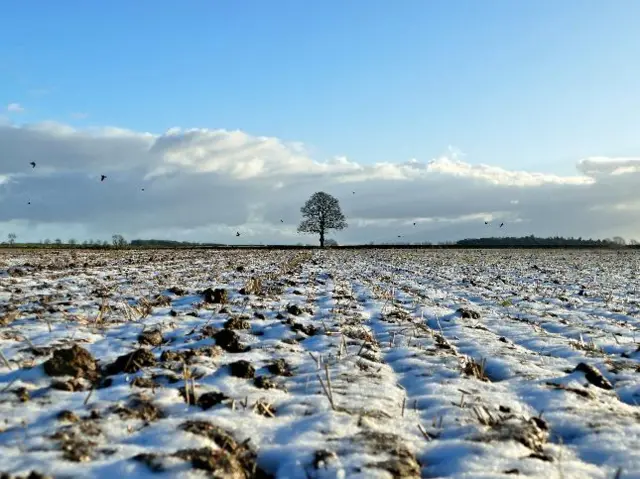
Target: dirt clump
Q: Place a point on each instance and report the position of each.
(218, 463)
(242, 369)
(229, 341)
(294, 309)
(594, 376)
(265, 382)
(144, 383)
(215, 296)
(188, 355)
(466, 313)
(308, 329)
(139, 408)
(177, 290)
(73, 385)
(75, 361)
(280, 368)
(74, 446)
(68, 416)
(151, 338)
(210, 399)
(22, 394)
(32, 475)
(131, 362)
(237, 323)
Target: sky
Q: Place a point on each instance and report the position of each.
(231, 114)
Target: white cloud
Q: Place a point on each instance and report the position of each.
(207, 184)
(15, 108)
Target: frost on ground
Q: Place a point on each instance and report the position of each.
(369, 364)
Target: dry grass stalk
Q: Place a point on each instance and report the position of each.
(327, 389)
(475, 369)
(185, 376)
(5, 360)
(86, 400)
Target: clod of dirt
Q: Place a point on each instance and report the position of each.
(264, 382)
(241, 451)
(532, 433)
(466, 313)
(308, 329)
(73, 385)
(139, 408)
(280, 368)
(229, 341)
(32, 475)
(131, 362)
(322, 458)
(237, 323)
(210, 399)
(177, 290)
(242, 369)
(23, 394)
(594, 376)
(74, 361)
(160, 301)
(402, 463)
(294, 309)
(151, 460)
(215, 296)
(151, 338)
(188, 355)
(219, 463)
(74, 447)
(144, 383)
(258, 315)
(68, 416)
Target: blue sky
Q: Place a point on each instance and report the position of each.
(534, 85)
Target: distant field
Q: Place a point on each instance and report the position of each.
(322, 364)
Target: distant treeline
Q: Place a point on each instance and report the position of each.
(169, 244)
(535, 242)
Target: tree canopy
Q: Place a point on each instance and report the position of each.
(321, 213)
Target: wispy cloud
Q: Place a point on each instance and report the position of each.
(79, 115)
(15, 108)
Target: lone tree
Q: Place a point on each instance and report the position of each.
(321, 212)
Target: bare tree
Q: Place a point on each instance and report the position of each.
(619, 240)
(72, 241)
(58, 241)
(12, 238)
(47, 241)
(321, 213)
(118, 241)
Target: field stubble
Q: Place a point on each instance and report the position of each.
(370, 363)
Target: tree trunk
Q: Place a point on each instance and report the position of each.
(322, 239)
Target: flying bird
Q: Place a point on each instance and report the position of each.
(414, 224)
(103, 177)
(33, 164)
(486, 222)
(237, 233)
(28, 202)
(501, 225)
(353, 192)
(281, 221)
(142, 189)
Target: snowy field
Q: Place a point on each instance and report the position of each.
(323, 364)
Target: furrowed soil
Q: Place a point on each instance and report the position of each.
(320, 364)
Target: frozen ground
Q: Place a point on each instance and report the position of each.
(367, 364)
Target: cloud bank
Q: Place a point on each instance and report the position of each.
(204, 185)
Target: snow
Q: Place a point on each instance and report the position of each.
(417, 386)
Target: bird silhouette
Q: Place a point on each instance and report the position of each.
(281, 221)
(353, 192)
(414, 224)
(103, 177)
(28, 202)
(486, 222)
(33, 164)
(142, 189)
(237, 233)
(501, 225)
